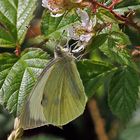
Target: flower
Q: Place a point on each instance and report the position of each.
(55, 6)
(84, 31)
(75, 1)
(58, 7)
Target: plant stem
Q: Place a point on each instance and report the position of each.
(97, 120)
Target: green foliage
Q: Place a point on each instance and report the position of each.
(14, 17)
(18, 76)
(126, 3)
(106, 16)
(123, 10)
(114, 49)
(94, 74)
(119, 37)
(53, 27)
(123, 92)
(116, 54)
(98, 41)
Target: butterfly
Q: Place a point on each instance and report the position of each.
(58, 97)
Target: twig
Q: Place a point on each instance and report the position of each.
(97, 120)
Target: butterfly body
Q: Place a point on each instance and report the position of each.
(58, 97)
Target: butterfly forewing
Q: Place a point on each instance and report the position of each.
(32, 115)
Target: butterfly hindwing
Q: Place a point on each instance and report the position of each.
(64, 99)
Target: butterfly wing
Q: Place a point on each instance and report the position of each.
(57, 98)
(32, 115)
(64, 98)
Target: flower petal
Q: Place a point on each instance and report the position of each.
(57, 14)
(55, 6)
(45, 3)
(76, 1)
(84, 16)
(86, 37)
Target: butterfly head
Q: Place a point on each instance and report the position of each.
(62, 52)
(58, 50)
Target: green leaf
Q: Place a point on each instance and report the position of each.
(115, 53)
(17, 77)
(15, 15)
(120, 37)
(123, 10)
(123, 92)
(95, 82)
(94, 74)
(54, 26)
(106, 16)
(126, 3)
(6, 62)
(98, 41)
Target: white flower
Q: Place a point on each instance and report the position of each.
(55, 6)
(84, 31)
(76, 1)
(86, 37)
(84, 16)
(58, 7)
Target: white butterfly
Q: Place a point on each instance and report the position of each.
(58, 97)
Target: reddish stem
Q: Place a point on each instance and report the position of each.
(114, 2)
(17, 51)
